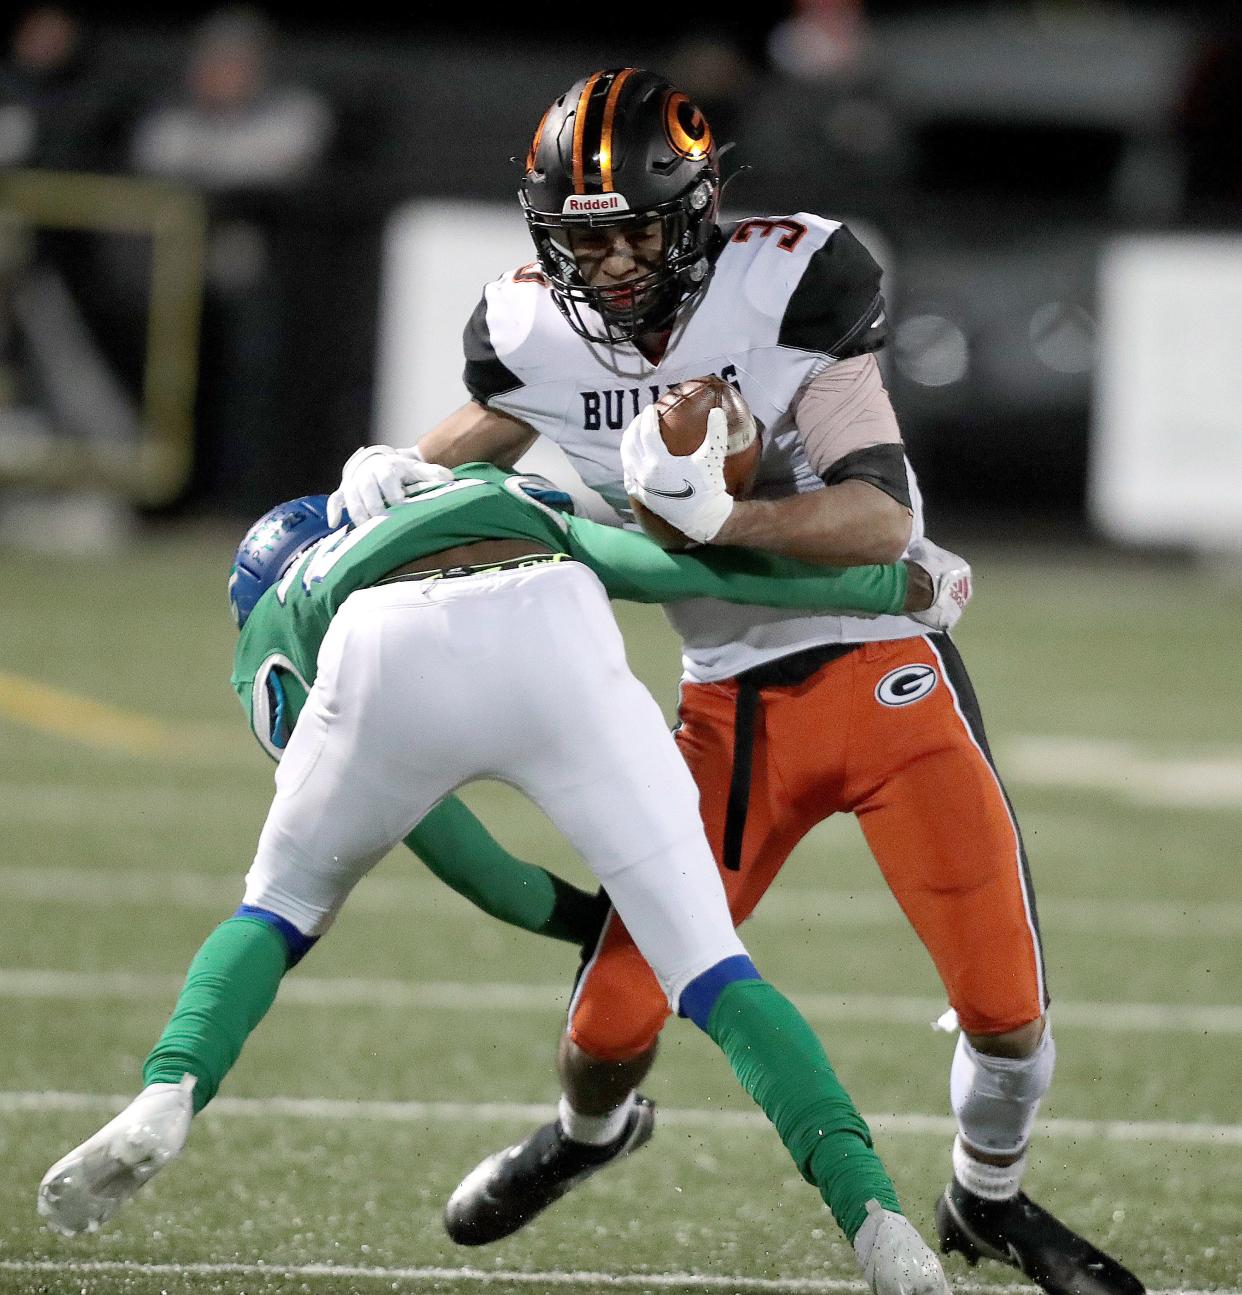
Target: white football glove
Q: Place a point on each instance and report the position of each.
(688, 490)
(375, 477)
(951, 580)
(894, 1259)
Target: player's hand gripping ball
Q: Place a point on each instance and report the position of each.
(682, 413)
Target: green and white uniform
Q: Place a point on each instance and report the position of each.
(287, 639)
(275, 660)
(404, 690)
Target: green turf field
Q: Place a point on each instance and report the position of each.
(419, 1035)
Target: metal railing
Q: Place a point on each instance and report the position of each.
(150, 464)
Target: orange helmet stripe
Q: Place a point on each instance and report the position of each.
(580, 130)
(534, 144)
(610, 111)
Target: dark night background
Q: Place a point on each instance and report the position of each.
(993, 148)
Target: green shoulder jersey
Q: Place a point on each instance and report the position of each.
(274, 666)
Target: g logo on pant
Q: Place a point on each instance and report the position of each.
(906, 684)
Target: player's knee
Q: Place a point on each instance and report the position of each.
(613, 1036)
(701, 994)
(996, 1097)
(1021, 1042)
(297, 943)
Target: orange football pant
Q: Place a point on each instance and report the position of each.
(890, 732)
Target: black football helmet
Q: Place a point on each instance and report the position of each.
(623, 147)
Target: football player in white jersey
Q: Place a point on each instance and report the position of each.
(785, 718)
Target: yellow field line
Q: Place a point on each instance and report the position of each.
(81, 719)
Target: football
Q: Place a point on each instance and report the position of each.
(682, 412)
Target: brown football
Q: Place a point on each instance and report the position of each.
(683, 411)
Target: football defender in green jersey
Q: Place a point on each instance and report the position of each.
(466, 634)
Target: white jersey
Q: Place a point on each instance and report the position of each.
(790, 296)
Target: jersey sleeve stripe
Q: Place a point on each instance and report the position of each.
(882, 466)
(486, 376)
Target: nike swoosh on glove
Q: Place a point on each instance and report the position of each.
(375, 477)
(952, 584)
(687, 490)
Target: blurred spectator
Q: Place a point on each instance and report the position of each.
(56, 111)
(252, 147)
(820, 40)
(824, 130)
(233, 128)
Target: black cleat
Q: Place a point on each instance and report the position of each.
(1024, 1235)
(505, 1191)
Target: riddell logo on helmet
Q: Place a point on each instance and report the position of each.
(578, 204)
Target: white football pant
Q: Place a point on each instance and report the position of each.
(518, 676)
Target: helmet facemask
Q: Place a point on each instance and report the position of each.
(649, 302)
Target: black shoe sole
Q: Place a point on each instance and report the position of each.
(953, 1235)
(1088, 1272)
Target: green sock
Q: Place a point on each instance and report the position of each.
(782, 1065)
(229, 987)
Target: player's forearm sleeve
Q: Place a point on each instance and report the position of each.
(229, 987)
(633, 567)
(464, 855)
(782, 1065)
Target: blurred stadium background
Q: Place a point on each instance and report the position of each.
(236, 244)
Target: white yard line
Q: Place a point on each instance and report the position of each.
(1209, 779)
(485, 1277)
(388, 891)
(891, 1124)
(1181, 776)
(512, 1277)
(451, 995)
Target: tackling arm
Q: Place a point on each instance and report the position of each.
(377, 476)
(459, 850)
(635, 568)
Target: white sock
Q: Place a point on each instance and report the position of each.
(596, 1130)
(992, 1182)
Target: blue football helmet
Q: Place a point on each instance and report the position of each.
(271, 545)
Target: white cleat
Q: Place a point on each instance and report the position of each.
(951, 584)
(87, 1187)
(895, 1260)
